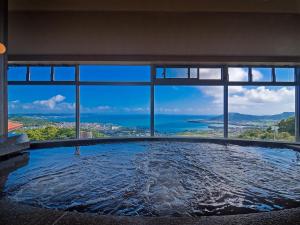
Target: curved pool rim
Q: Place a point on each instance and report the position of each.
(224, 141)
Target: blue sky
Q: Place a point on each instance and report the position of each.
(194, 100)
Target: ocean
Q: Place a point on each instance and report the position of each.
(163, 123)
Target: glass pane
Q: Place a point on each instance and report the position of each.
(262, 112)
(189, 111)
(17, 73)
(262, 74)
(238, 73)
(176, 72)
(210, 74)
(64, 73)
(42, 112)
(194, 73)
(40, 73)
(114, 73)
(285, 74)
(159, 73)
(114, 111)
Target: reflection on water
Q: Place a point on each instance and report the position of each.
(159, 179)
(10, 164)
(77, 150)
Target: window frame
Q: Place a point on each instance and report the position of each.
(155, 81)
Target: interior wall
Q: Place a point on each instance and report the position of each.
(153, 34)
(3, 70)
(275, 6)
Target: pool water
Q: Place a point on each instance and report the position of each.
(159, 179)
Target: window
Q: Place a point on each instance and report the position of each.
(262, 74)
(262, 112)
(40, 73)
(176, 72)
(114, 73)
(189, 73)
(210, 73)
(189, 111)
(17, 73)
(64, 73)
(110, 111)
(238, 74)
(115, 101)
(42, 112)
(285, 74)
(160, 73)
(194, 73)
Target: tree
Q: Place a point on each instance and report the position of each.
(287, 125)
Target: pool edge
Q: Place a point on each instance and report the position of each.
(12, 213)
(242, 142)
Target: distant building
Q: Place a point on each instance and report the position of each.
(86, 134)
(14, 126)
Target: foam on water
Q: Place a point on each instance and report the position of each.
(159, 179)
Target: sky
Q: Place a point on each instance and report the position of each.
(192, 100)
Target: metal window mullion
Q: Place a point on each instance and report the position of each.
(77, 113)
(27, 73)
(273, 75)
(52, 73)
(250, 77)
(225, 100)
(297, 105)
(153, 71)
(164, 72)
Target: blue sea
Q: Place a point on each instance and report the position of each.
(163, 123)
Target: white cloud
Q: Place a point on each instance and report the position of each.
(252, 100)
(256, 75)
(214, 91)
(167, 110)
(113, 109)
(102, 108)
(262, 100)
(240, 74)
(135, 110)
(51, 102)
(210, 73)
(54, 104)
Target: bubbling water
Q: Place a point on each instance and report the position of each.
(159, 179)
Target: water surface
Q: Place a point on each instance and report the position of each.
(159, 179)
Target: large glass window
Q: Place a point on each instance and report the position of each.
(110, 111)
(189, 111)
(115, 101)
(262, 112)
(42, 112)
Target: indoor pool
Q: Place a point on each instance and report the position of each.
(159, 179)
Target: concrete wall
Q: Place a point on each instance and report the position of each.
(155, 34)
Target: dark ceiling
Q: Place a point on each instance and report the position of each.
(244, 6)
